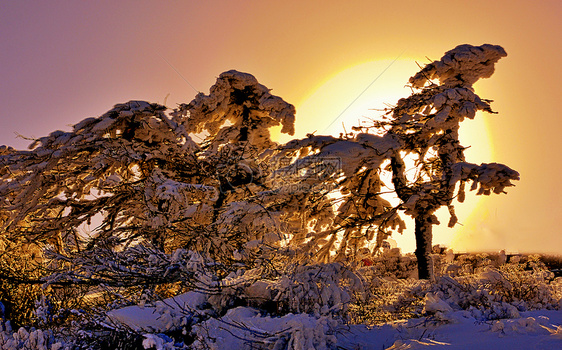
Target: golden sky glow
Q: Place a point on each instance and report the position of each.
(62, 61)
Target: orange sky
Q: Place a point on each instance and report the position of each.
(62, 61)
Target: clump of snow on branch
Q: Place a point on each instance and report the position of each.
(491, 177)
(238, 99)
(463, 65)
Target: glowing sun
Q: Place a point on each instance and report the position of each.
(359, 93)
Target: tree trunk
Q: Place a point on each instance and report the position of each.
(423, 247)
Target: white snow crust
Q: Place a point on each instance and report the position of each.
(540, 329)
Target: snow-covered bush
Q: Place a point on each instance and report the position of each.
(489, 286)
(245, 328)
(319, 289)
(29, 339)
(384, 293)
(487, 292)
(16, 265)
(390, 263)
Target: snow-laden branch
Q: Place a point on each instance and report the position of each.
(491, 177)
(461, 66)
(238, 108)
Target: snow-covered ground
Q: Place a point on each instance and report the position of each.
(245, 328)
(533, 330)
(482, 301)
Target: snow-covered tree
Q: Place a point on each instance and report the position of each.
(417, 142)
(143, 196)
(139, 183)
(426, 125)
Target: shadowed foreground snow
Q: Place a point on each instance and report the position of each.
(533, 330)
(447, 329)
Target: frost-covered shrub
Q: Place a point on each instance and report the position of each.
(18, 299)
(318, 289)
(446, 262)
(489, 286)
(29, 339)
(490, 293)
(387, 276)
(322, 291)
(530, 285)
(390, 263)
(383, 294)
(244, 328)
